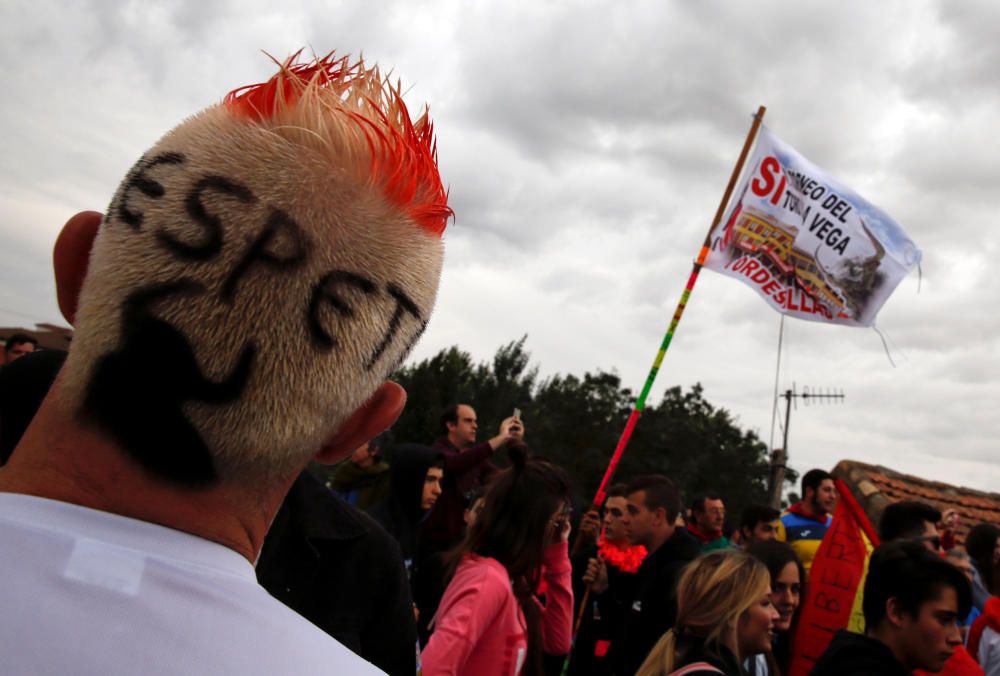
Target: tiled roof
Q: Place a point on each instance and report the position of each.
(875, 487)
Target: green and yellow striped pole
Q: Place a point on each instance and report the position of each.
(640, 403)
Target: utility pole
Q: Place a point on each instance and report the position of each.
(779, 456)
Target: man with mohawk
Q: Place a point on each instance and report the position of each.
(258, 274)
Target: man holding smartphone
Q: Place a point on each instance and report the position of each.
(467, 466)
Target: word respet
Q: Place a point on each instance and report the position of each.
(281, 245)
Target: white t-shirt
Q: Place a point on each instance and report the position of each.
(89, 592)
(989, 652)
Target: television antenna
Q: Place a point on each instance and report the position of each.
(779, 456)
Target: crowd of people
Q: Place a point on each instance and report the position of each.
(237, 313)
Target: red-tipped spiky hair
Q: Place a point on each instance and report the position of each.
(402, 154)
(280, 255)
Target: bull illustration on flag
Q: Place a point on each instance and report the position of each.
(809, 245)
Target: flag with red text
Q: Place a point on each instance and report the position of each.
(807, 244)
(836, 583)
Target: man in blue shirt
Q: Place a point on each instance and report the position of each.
(804, 524)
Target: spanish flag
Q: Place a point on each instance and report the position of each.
(836, 583)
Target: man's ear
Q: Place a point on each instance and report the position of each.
(70, 258)
(374, 417)
(893, 612)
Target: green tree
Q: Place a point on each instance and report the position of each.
(494, 388)
(576, 421)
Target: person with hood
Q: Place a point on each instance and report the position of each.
(429, 577)
(913, 599)
(414, 486)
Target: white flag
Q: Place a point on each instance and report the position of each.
(809, 245)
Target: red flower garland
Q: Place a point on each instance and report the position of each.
(626, 559)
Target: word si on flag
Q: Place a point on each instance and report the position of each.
(836, 583)
(809, 245)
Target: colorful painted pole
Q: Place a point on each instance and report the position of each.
(640, 403)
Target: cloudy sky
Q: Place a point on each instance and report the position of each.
(586, 146)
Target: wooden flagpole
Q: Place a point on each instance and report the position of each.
(640, 402)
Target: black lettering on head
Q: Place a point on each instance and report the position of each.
(325, 293)
(211, 243)
(409, 346)
(403, 306)
(136, 393)
(263, 250)
(138, 179)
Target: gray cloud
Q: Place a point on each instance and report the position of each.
(586, 147)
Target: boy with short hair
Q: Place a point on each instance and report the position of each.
(913, 600)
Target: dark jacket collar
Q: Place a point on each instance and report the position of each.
(853, 654)
(680, 546)
(319, 514)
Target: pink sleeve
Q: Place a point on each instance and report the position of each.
(465, 613)
(557, 617)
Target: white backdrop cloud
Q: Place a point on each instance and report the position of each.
(586, 145)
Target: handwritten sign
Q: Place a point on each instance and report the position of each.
(836, 582)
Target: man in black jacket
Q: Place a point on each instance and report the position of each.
(913, 600)
(335, 566)
(653, 504)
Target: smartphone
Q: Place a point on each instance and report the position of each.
(517, 413)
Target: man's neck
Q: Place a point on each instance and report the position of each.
(620, 543)
(885, 636)
(658, 539)
(62, 460)
(704, 533)
(459, 443)
(813, 510)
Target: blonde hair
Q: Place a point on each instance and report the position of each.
(713, 592)
(280, 253)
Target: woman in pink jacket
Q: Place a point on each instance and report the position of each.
(490, 621)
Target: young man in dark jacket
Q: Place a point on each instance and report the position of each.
(652, 509)
(913, 600)
(610, 568)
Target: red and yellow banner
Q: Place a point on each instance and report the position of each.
(836, 583)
